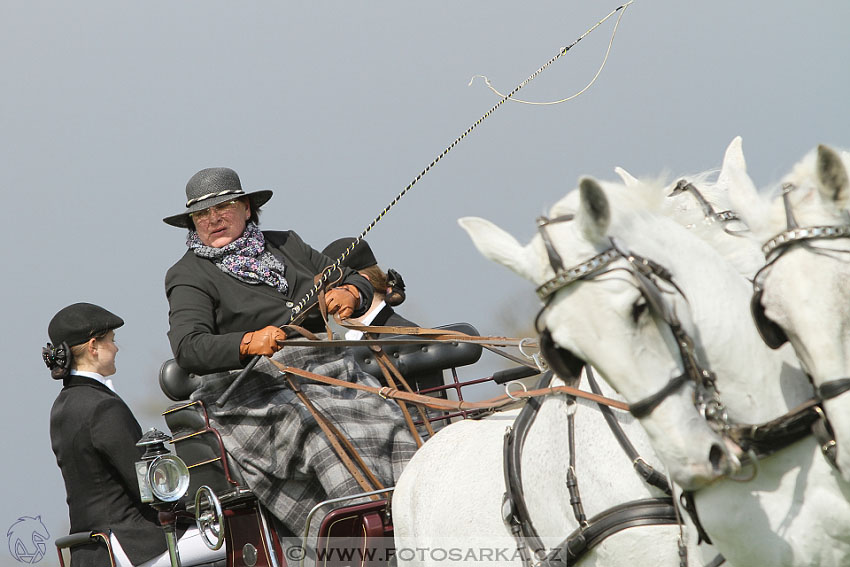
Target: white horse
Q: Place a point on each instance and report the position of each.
(721, 226)
(795, 510)
(448, 504)
(805, 289)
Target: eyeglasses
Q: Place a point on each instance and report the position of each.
(220, 209)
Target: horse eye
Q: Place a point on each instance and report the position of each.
(638, 308)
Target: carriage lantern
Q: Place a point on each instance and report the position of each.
(163, 477)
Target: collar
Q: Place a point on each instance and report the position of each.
(367, 319)
(94, 376)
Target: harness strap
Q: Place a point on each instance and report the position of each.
(767, 438)
(645, 512)
(822, 431)
(687, 501)
(452, 405)
(516, 513)
(337, 440)
(645, 406)
(387, 370)
(833, 388)
(643, 469)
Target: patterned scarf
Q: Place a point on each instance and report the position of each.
(246, 258)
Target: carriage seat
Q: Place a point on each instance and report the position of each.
(416, 362)
(422, 364)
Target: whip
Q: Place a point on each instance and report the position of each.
(320, 282)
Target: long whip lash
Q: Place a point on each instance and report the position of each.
(336, 265)
(586, 87)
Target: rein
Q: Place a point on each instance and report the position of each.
(389, 393)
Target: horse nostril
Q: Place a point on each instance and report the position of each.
(717, 458)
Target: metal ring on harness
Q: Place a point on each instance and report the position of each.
(508, 390)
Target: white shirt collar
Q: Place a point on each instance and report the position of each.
(353, 335)
(94, 376)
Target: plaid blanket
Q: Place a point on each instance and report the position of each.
(284, 456)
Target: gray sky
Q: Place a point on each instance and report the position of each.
(107, 109)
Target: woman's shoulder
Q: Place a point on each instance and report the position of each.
(281, 237)
(187, 268)
(287, 241)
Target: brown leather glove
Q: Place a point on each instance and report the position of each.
(262, 342)
(343, 300)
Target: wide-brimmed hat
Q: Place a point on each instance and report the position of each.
(212, 186)
(359, 258)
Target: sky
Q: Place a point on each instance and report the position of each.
(108, 108)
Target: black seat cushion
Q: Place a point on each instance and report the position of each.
(419, 363)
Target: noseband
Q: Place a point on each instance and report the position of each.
(646, 272)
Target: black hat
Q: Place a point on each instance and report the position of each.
(79, 322)
(359, 258)
(212, 186)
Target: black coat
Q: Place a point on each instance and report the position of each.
(93, 434)
(210, 310)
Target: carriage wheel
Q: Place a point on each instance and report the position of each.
(209, 517)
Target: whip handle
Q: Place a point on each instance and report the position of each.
(235, 384)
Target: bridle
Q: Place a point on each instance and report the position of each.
(773, 250)
(653, 511)
(646, 273)
(772, 334)
(709, 214)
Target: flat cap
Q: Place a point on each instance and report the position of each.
(359, 258)
(79, 322)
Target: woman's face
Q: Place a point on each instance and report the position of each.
(106, 351)
(221, 224)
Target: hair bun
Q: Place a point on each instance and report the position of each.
(57, 359)
(395, 289)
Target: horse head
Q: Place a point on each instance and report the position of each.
(625, 317)
(802, 294)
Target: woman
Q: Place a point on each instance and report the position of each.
(93, 434)
(227, 296)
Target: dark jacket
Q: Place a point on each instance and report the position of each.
(210, 310)
(93, 434)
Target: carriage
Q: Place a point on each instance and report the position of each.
(199, 482)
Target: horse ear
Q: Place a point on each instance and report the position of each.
(834, 182)
(497, 245)
(595, 211)
(629, 180)
(734, 164)
(743, 194)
